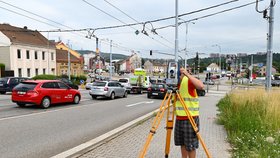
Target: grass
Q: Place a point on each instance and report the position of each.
(252, 119)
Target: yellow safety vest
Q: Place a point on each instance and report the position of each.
(191, 102)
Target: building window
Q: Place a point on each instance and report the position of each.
(18, 54)
(36, 71)
(27, 54)
(43, 55)
(28, 72)
(52, 56)
(19, 72)
(53, 71)
(36, 55)
(44, 71)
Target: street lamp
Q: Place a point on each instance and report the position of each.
(216, 45)
(186, 40)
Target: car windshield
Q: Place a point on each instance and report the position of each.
(25, 86)
(99, 84)
(123, 80)
(3, 80)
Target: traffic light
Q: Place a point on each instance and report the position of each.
(151, 52)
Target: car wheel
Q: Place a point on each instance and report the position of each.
(76, 99)
(93, 97)
(112, 95)
(3, 92)
(125, 94)
(46, 102)
(21, 104)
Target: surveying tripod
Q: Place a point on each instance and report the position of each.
(165, 105)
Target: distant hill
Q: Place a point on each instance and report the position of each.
(104, 55)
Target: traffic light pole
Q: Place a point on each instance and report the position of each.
(269, 46)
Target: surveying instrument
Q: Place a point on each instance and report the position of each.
(171, 96)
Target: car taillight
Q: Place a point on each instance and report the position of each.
(162, 89)
(106, 88)
(149, 89)
(32, 92)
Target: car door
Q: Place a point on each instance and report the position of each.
(65, 92)
(120, 88)
(50, 89)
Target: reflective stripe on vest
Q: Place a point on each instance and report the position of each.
(191, 102)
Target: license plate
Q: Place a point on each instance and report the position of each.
(1, 84)
(21, 92)
(154, 93)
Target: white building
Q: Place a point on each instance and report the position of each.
(28, 53)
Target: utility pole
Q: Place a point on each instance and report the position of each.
(176, 33)
(97, 54)
(110, 69)
(269, 46)
(252, 67)
(69, 63)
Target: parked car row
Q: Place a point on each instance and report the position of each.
(8, 83)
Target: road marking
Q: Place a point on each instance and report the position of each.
(49, 111)
(142, 102)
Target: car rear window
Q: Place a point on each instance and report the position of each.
(25, 86)
(157, 85)
(99, 84)
(123, 80)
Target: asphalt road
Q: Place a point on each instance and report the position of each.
(33, 132)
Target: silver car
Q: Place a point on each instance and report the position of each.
(109, 89)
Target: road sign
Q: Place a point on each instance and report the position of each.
(82, 81)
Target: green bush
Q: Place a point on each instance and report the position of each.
(45, 77)
(2, 65)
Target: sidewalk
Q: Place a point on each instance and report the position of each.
(129, 143)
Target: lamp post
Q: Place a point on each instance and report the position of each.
(216, 45)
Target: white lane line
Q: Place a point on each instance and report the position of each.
(51, 111)
(143, 102)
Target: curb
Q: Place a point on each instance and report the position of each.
(98, 141)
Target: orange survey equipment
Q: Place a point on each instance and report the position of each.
(172, 95)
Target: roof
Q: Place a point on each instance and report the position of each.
(62, 56)
(41, 81)
(25, 36)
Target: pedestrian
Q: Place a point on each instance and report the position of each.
(184, 135)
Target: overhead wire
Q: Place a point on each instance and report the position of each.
(134, 19)
(205, 16)
(122, 22)
(11, 5)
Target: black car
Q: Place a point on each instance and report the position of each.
(157, 90)
(69, 83)
(8, 83)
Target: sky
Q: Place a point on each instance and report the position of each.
(240, 30)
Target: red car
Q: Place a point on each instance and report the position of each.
(44, 93)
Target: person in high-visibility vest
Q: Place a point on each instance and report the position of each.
(184, 135)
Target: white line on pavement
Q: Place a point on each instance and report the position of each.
(142, 102)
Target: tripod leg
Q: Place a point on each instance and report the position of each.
(193, 124)
(156, 123)
(169, 127)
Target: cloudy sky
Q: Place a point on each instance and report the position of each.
(240, 30)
